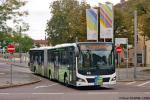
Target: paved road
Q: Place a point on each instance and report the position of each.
(56, 91)
(49, 90)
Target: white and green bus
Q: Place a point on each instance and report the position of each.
(77, 64)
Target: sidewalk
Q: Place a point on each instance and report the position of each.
(20, 75)
(18, 79)
(23, 64)
(16, 62)
(124, 74)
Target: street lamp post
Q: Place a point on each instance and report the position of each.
(135, 42)
(20, 49)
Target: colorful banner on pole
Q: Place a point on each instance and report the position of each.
(106, 20)
(92, 24)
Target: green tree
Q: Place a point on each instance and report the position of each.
(67, 22)
(25, 42)
(123, 25)
(126, 18)
(9, 9)
(146, 23)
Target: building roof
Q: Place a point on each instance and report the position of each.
(40, 41)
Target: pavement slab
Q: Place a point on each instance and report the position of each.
(20, 76)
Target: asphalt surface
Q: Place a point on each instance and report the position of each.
(47, 86)
(50, 90)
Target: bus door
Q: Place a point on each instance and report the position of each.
(73, 69)
(72, 73)
(56, 66)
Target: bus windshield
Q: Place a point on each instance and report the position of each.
(96, 59)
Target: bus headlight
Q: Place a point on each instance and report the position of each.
(81, 80)
(113, 79)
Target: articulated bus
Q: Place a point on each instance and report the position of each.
(77, 64)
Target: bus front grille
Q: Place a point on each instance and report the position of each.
(106, 79)
(92, 80)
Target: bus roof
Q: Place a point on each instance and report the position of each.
(40, 48)
(57, 46)
(67, 45)
(95, 42)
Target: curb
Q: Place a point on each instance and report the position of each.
(17, 85)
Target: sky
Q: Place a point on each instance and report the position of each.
(39, 14)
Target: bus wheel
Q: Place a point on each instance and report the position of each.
(50, 75)
(34, 69)
(65, 79)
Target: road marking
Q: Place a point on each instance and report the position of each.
(4, 93)
(29, 93)
(39, 87)
(131, 83)
(47, 93)
(2, 73)
(45, 86)
(146, 92)
(52, 84)
(144, 83)
(103, 92)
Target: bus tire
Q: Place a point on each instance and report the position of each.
(65, 79)
(50, 75)
(34, 69)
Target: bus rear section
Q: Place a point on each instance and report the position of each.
(37, 61)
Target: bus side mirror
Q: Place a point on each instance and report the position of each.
(76, 52)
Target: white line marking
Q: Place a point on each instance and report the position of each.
(29, 93)
(59, 93)
(39, 87)
(4, 93)
(52, 84)
(103, 93)
(144, 83)
(131, 83)
(48, 93)
(45, 86)
(2, 73)
(146, 92)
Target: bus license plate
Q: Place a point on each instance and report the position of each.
(98, 80)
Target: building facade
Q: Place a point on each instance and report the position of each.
(40, 43)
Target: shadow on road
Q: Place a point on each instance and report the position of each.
(85, 88)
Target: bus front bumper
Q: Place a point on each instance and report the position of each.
(104, 84)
